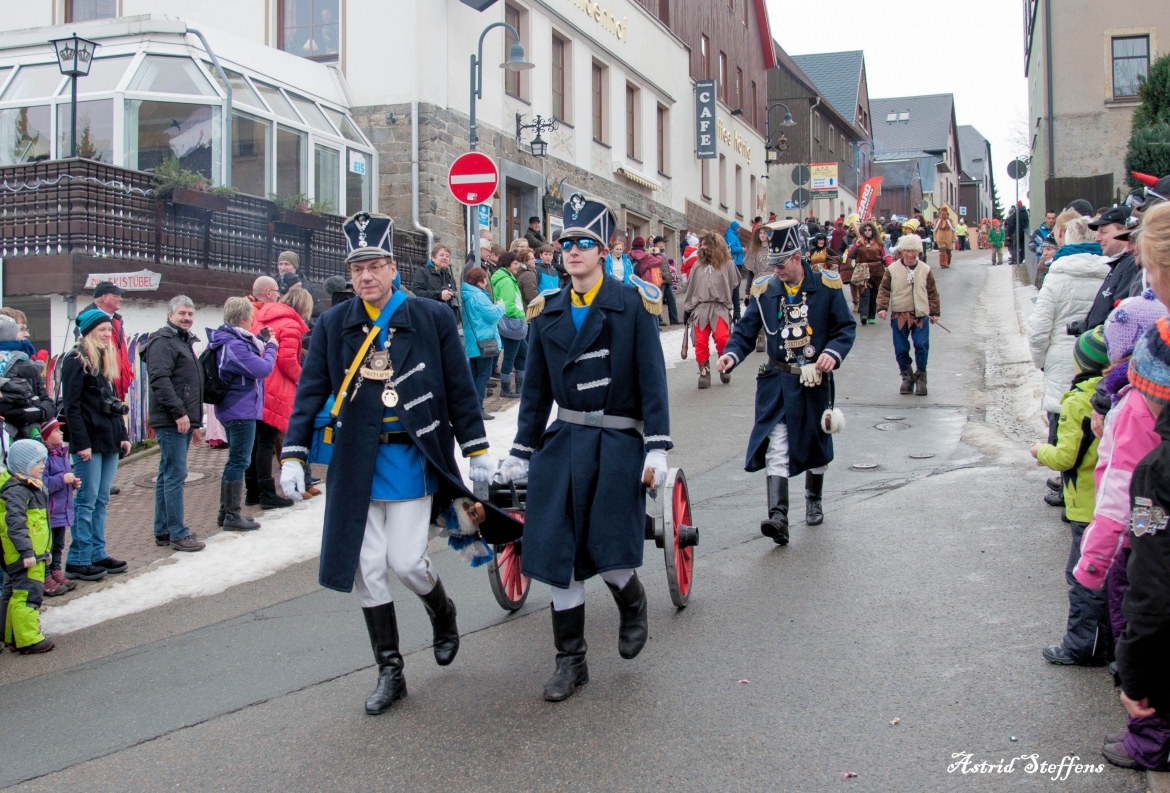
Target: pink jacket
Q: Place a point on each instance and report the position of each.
(1129, 436)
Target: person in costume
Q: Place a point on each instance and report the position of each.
(594, 350)
(390, 376)
(809, 330)
(909, 293)
(708, 305)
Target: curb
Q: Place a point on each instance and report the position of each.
(138, 455)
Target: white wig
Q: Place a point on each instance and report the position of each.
(909, 242)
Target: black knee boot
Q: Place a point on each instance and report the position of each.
(814, 485)
(569, 638)
(441, 610)
(631, 603)
(776, 526)
(382, 625)
(223, 498)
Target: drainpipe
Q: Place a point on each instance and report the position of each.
(227, 121)
(1048, 75)
(418, 226)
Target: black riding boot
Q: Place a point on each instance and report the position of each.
(223, 498)
(814, 485)
(382, 625)
(232, 519)
(569, 638)
(631, 603)
(441, 610)
(776, 526)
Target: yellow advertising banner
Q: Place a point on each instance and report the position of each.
(824, 176)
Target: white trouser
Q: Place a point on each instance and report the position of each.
(776, 457)
(396, 539)
(574, 594)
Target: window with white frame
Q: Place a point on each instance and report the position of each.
(310, 28)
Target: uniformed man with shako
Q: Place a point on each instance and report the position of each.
(809, 331)
(388, 374)
(593, 349)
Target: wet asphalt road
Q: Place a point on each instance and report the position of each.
(925, 598)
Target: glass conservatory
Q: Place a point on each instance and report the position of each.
(145, 102)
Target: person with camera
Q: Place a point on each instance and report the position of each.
(288, 276)
(244, 362)
(434, 281)
(94, 416)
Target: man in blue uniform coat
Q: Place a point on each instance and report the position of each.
(809, 331)
(593, 348)
(391, 373)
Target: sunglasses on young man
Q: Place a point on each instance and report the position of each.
(583, 244)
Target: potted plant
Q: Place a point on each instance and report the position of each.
(181, 185)
(297, 210)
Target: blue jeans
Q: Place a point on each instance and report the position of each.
(89, 527)
(241, 434)
(168, 489)
(902, 337)
(481, 372)
(515, 352)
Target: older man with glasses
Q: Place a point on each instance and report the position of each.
(389, 375)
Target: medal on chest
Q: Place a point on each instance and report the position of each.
(795, 331)
(377, 366)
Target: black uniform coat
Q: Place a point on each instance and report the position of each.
(780, 392)
(586, 508)
(437, 404)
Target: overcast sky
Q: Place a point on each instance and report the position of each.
(972, 50)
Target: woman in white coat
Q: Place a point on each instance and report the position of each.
(1075, 275)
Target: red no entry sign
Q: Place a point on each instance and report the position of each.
(473, 178)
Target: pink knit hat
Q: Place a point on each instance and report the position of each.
(1126, 323)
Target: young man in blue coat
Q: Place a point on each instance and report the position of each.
(593, 348)
(397, 367)
(809, 331)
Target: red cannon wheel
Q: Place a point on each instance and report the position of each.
(509, 585)
(679, 538)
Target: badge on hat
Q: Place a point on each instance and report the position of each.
(783, 241)
(369, 230)
(585, 218)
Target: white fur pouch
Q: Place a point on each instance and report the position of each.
(833, 421)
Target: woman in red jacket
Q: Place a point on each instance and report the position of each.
(286, 320)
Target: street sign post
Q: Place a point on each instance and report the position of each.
(473, 179)
(1017, 169)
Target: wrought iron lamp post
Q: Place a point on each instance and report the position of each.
(539, 124)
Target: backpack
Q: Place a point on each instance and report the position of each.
(214, 386)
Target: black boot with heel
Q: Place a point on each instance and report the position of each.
(569, 638)
(631, 603)
(776, 526)
(382, 625)
(441, 610)
(814, 486)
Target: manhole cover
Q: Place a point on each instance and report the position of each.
(864, 466)
(891, 426)
(922, 455)
(192, 477)
(893, 418)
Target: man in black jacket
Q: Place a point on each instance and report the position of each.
(176, 414)
(435, 280)
(288, 275)
(24, 400)
(1125, 278)
(533, 235)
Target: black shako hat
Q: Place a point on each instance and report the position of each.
(369, 235)
(584, 218)
(783, 241)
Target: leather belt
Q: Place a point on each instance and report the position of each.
(784, 366)
(598, 418)
(394, 437)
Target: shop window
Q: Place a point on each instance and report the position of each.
(24, 134)
(34, 82)
(358, 178)
(277, 102)
(85, 10)
(104, 75)
(291, 161)
(1131, 61)
(560, 80)
(156, 131)
(348, 130)
(309, 28)
(95, 130)
(242, 93)
(165, 75)
(251, 162)
(327, 177)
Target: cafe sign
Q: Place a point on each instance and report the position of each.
(141, 281)
(604, 17)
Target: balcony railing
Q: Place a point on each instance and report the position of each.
(83, 207)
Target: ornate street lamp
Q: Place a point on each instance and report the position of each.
(538, 146)
(515, 63)
(772, 149)
(74, 57)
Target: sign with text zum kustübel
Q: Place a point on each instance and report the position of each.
(705, 119)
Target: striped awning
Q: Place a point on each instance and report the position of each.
(636, 177)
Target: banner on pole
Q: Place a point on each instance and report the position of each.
(870, 189)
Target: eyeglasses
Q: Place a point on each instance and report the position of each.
(373, 269)
(584, 244)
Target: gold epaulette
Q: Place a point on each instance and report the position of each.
(831, 279)
(760, 285)
(536, 306)
(651, 295)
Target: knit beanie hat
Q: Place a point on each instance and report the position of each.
(1149, 368)
(88, 320)
(24, 454)
(8, 328)
(1089, 355)
(291, 257)
(1129, 321)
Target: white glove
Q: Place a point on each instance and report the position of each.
(809, 376)
(292, 477)
(656, 462)
(483, 467)
(513, 469)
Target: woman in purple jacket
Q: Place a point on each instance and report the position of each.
(244, 362)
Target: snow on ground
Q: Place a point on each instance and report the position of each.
(671, 344)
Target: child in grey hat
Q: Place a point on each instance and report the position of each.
(26, 544)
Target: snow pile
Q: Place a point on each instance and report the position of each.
(671, 344)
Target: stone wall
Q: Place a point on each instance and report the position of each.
(443, 136)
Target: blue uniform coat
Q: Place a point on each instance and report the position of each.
(437, 405)
(780, 394)
(586, 509)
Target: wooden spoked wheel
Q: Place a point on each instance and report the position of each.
(509, 585)
(679, 538)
